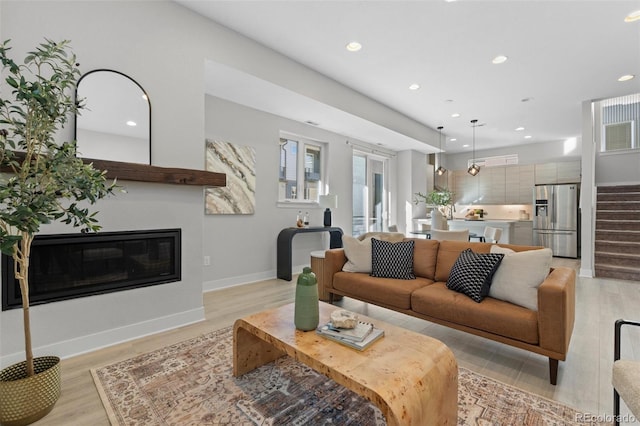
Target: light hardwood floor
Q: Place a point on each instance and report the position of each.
(583, 381)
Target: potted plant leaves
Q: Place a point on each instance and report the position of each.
(42, 181)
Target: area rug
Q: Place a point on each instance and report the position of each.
(191, 383)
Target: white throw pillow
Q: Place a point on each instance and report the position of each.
(519, 275)
(358, 252)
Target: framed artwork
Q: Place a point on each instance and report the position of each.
(239, 164)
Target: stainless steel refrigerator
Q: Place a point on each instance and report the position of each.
(556, 220)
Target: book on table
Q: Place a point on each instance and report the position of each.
(360, 337)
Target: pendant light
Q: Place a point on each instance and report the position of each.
(474, 169)
(441, 170)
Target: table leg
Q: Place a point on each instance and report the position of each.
(250, 351)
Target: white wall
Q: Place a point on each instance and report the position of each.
(532, 153)
(243, 248)
(130, 39)
(163, 47)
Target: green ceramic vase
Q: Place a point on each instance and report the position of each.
(307, 314)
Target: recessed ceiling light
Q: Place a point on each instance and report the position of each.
(526, 99)
(414, 86)
(466, 145)
(131, 123)
(455, 115)
(626, 77)
(453, 140)
(500, 59)
(449, 1)
(633, 16)
(312, 123)
(519, 129)
(528, 137)
(448, 100)
(353, 46)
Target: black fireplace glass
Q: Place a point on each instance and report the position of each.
(66, 266)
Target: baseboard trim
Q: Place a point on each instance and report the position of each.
(103, 339)
(586, 273)
(213, 285)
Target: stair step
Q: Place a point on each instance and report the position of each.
(617, 205)
(617, 272)
(617, 246)
(618, 189)
(617, 235)
(619, 196)
(617, 214)
(617, 225)
(628, 260)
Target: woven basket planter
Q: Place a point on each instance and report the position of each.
(23, 400)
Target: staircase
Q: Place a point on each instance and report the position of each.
(617, 240)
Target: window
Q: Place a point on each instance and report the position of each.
(620, 121)
(301, 170)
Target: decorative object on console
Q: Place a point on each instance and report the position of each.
(472, 273)
(440, 170)
(474, 169)
(239, 164)
(44, 183)
(307, 311)
(392, 260)
(329, 201)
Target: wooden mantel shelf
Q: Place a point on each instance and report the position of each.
(146, 173)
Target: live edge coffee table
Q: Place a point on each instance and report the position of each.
(412, 378)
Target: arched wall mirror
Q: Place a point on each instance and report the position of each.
(115, 122)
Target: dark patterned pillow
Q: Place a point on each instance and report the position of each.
(472, 273)
(392, 260)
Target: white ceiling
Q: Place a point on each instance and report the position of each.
(560, 54)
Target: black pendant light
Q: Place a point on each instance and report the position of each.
(474, 169)
(441, 170)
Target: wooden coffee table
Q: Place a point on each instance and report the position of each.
(412, 378)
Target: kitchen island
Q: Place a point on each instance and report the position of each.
(514, 231)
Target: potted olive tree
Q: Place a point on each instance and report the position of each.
(42, 181)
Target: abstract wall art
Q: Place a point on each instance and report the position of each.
(239, 164)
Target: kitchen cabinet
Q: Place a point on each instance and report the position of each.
(560, 172)
(519, 183)
(523, 233)
(509, 184)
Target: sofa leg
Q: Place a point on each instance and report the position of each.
(553, 371)
(331, 298)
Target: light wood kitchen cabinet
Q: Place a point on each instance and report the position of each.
(519, 183)
(569, 172)
(510, 184)
(491, 185)
(560, 172)
(523, 233)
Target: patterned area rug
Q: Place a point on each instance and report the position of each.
(191, 383)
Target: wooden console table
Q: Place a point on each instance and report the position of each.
(284, 249)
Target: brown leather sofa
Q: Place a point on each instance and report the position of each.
(546, 331)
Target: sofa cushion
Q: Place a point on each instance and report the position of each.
(519, 275)
(472, 273)
(490, 315)
(392, 260)
(358, 250)
(425, 253)
(381, 291)
(448, 253)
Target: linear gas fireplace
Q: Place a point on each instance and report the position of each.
(66, 266)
